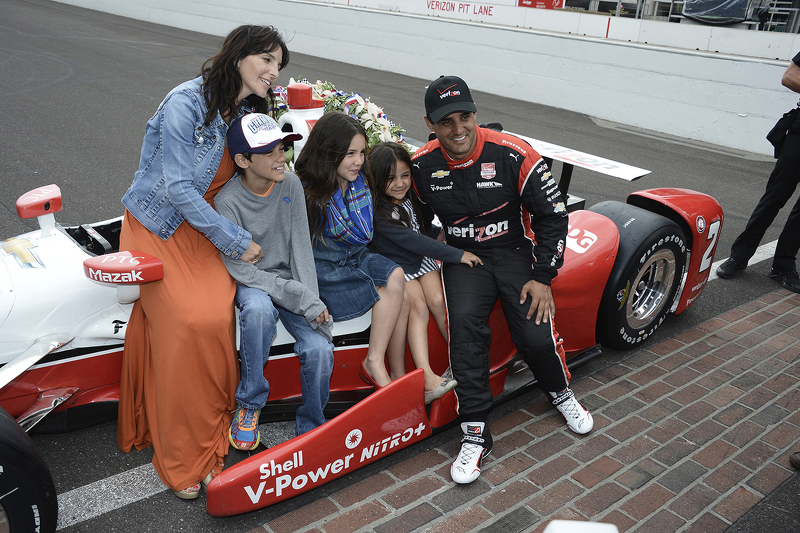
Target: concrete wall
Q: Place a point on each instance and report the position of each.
(714, 84)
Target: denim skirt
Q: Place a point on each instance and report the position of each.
(348, 276)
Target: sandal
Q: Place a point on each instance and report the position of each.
(191, 493)
(211, 475)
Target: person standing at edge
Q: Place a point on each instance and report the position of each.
(780, 187)
(492, 192)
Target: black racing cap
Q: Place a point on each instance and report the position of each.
(447, 94)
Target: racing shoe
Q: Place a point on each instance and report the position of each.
(578, 419)
(243, 432)
(475, 445)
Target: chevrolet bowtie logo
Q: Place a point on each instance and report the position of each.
(440, 174)
(22, 251)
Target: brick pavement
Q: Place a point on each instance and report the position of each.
(690, 434)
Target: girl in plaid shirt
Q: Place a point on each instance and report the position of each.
(352, 279)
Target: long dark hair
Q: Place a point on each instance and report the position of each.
(317, 165)
(383, 159)
(221, 80)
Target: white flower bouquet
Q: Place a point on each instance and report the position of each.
(374, 121)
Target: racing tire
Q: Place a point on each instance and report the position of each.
(27, 493)
(648, 271)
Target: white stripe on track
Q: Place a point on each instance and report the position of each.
(107, 495)
(114, 492)
(763, 252)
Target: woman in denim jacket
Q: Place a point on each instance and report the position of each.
(179, 371)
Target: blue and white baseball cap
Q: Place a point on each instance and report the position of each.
(256, 133)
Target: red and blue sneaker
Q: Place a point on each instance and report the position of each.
(243, 433)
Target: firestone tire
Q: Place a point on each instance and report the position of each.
(27, 493)
(651, 278)
(647, 273)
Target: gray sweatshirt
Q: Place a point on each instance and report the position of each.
(279, 225)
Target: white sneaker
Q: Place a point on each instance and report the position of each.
(578, 419)
(475, 445)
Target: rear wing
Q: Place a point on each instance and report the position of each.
(570, 159)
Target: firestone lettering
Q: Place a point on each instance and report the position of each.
(515, 146)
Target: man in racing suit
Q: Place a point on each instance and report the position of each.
(496, 198)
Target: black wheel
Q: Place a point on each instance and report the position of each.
(27, 493)
(648, 270)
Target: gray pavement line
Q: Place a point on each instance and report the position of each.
(763, 252)
(107, 495)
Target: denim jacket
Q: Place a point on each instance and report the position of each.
(180, 156)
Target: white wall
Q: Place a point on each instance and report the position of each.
(660, 76)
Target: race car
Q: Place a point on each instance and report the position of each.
(66, 293)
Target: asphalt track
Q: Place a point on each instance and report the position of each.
(76, 88)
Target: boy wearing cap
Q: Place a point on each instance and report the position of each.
(493, 192)
(269, 203)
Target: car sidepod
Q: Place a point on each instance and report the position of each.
(591, 246)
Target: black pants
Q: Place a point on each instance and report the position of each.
(780, 187)
(470, 294)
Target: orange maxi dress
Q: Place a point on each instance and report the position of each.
(179, 367)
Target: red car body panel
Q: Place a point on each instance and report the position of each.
(592, 242)
(388, 420)
(703, 219)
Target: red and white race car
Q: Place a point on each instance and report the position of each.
(66, 294)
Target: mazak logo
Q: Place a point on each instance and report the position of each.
(440, 174)
(116, 277)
